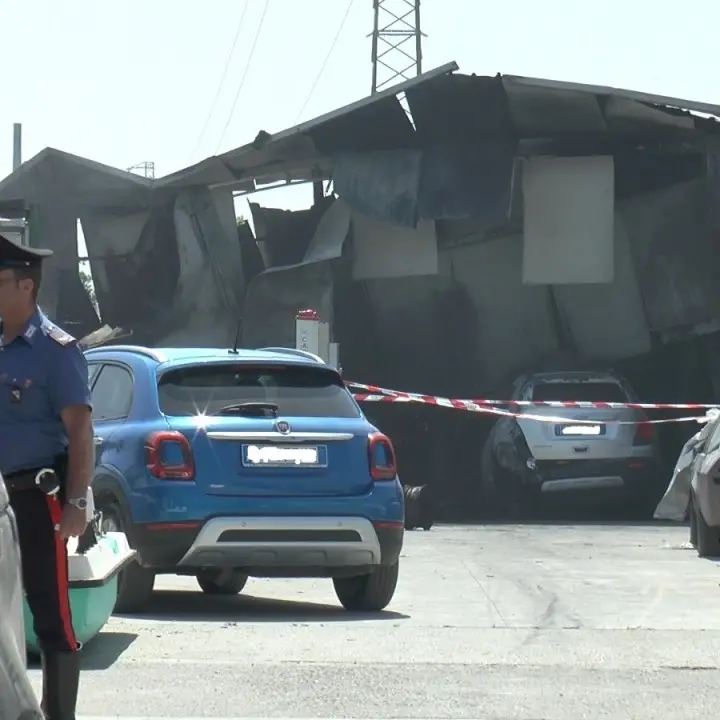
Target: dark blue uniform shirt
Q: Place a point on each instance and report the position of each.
(42, 372)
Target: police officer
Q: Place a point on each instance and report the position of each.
(47, 461)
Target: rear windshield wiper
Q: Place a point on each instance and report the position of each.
(249, 408)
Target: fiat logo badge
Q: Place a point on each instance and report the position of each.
(282, 427)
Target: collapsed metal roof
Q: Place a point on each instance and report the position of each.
(303, 152)
(446, 107)
(56, 175)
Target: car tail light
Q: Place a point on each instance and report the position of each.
(169, 456)
(644, 433)
(381, 455)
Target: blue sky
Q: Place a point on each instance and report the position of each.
(123, 81)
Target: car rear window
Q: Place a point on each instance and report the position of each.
(298, 391)
(579, 392)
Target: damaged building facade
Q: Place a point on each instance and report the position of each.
(502, 225)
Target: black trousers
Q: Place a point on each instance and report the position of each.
(45, 568)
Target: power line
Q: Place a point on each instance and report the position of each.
(222, 80)
(244, 76)
(327, 59)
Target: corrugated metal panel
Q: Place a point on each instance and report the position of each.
(376, 122)
(607, 320)
(641, 97)
(514, 327)
(675, 256)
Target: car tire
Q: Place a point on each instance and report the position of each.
(135, 583)
(221, 582)
(708, 538)
(368, 593)
(502, 493)
(693, 524)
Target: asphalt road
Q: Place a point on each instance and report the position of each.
(558, 622)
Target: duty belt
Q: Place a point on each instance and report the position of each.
(43, 479)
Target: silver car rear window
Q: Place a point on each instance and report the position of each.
(579, 392)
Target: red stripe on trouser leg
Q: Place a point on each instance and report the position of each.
(61, 565)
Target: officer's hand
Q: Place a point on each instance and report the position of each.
(73, 522)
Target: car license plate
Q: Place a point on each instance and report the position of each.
(282, 456)
(580, 430)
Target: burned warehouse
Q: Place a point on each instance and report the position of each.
(466, 231)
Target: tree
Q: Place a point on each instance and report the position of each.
(87, 282)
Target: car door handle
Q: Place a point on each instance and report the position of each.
(98, 440)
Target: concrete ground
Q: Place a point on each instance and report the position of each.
(514, 622)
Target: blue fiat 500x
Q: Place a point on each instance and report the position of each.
(225, 465)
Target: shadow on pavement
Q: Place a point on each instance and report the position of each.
(575, 513)
(100, 653)
(577, 522)
(104, 650)
(188, 606)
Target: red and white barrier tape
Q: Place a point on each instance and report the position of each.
(373, 390)
(478, 407)
(473, 406)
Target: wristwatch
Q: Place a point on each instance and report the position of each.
(80, 503)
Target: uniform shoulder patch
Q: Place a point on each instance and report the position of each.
(56, 333)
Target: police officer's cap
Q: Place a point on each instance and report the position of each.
(14, 255)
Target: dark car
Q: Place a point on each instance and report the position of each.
(17, 698)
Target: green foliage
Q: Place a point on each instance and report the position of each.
(87, 281)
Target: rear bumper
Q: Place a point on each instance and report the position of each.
(633, 476)
(271, 546)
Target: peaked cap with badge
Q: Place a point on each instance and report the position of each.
(14, 255)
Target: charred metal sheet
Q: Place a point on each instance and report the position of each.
(374, 123)
(623, 114)
(542, 111)
(674, 254)
(63, 177)
(642, 97)
(399, 128)
(274, 297)
(136, 250)
(330, 234)
(460, 108)
(252, 259)
(514, 325)
(210, 276)
(382, 125)
(266, 157)
(211, 171)
(642, 171)
(53, 225)
(467, 181)
(442, 182)
(110, 237)
(606, 320)
(286, 234)
(383, 250)
(381, 185)
(414, 317)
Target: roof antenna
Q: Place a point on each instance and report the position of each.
(236, 342)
